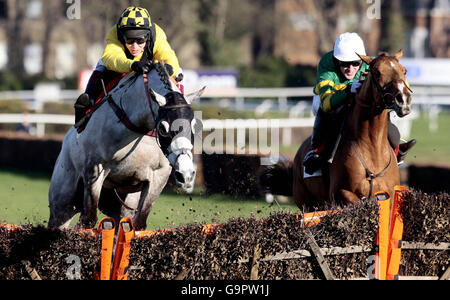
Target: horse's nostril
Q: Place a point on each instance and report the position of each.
(399, 98)
(179, 177)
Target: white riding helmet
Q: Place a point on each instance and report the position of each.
(347, 45)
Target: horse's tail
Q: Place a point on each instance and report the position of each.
(278, 179)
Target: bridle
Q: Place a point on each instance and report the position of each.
(158, 120)
(384, 92)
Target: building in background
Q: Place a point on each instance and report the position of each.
(38, 37)
(306, 29)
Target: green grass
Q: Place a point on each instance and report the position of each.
(172, 210)
(23, 200)
(432, 147)
(23, 195)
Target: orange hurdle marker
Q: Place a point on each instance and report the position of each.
(396, 233)
(106, 228)
(314, 218)
(123, 248)
(10, 227)
(382, 240)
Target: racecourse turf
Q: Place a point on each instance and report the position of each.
(23, 195)
(23, 200)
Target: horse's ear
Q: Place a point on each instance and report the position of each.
(366, 59)
(158, 98)
(399, 55)
(194, 96)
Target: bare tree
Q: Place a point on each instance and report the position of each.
(221, 21)
(15, 35)
(328, 13)
(263, 29)
(393, 30)
(52, 14)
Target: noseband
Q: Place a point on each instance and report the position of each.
(385, 93)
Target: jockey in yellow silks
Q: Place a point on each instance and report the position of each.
(130, 44)
(338, 77)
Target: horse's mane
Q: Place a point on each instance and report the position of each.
(163, 75)
(173, 99)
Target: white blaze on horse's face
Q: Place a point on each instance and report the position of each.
(403, 100)
(182, 160)
(403, 97)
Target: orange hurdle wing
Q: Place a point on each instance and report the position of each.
(106, 228)
(382, 239)
(396, 233)
(122, 256)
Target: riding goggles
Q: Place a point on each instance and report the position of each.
(346, 64)
(139, 41)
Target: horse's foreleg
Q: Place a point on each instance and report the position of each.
(149, 194)
(63, 193)
(144, 207)
(92, 189)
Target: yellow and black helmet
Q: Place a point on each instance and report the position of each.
(134, 18)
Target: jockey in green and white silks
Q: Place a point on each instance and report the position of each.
(338, 76)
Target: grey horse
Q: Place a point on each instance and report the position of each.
(117, 168)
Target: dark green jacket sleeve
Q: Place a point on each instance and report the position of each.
(332, 93)
(331, 88)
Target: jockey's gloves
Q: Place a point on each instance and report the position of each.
(140, 67)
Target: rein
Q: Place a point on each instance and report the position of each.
(122, 116)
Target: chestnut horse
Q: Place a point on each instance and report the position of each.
(364, 162)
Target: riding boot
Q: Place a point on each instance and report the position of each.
(81, 106)
(313, 159)
(403, 150)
